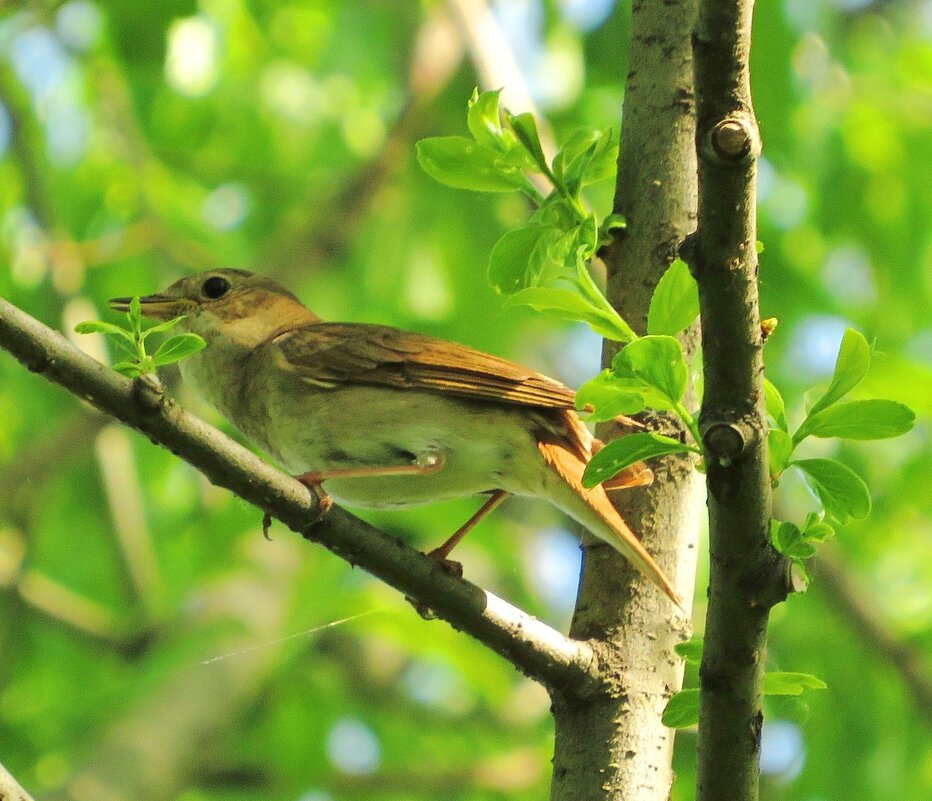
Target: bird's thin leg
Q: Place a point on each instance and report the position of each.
(441, 553)
(428, 466)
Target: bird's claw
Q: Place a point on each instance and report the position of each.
(450, 566)
(313, 482)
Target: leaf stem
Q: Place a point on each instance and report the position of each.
(691, 424)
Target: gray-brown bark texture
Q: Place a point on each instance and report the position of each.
(747, 576)
(611, 744)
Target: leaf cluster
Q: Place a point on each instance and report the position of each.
(544, 263)
(842, 494)
(131, 341)
(682, 710)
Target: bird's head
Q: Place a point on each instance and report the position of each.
(229, 305)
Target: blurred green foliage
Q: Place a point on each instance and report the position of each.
(154, 646)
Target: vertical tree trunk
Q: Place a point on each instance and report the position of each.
(747, 576)
(612, 745)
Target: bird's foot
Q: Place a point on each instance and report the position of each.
(439, 555)
(448, 566)
(313, 482)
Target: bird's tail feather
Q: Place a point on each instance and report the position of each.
(592, 508)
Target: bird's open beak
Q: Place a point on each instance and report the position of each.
(160, 307)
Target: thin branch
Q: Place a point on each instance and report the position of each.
(537, 650)
(747, 576)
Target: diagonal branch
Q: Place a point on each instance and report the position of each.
(539, 651)
(10, 788)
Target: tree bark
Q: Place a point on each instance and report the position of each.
(747, 576)
(612, 745)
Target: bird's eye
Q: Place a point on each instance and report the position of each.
(215, 287)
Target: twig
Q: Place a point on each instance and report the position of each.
(747, 576)
(533, 647)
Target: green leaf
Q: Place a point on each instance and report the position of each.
(512, 260)
(815, 528)
(606, 396)
(602, 161)
(860, 419)
(614, 222)
(691, 650)
(587, 158)
(778, 683)
(682, 710)
(464, 164)
(658, 361)
(627, 450)
(129, 369)
(484, 119)
(161, 328)
(568, 305)
(776, 408)
(675, 303)
(134, 314)
(100, 327)
(780, 449)
(854, 359)
(786, 707)
(525, 128)
(789, 540)
(842, 491)
(178, 347)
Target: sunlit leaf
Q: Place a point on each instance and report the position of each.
(178, 347)
(510, 262)
(675, 302)
(779, 683)
(161, 328)
(658, 361)
(854, 359)
(691, 650)
(860, 419)
(776, 408)
(100, 327)
(682, 710)
(606, 396)
(464, 164)
(525, 128)
(568, 305)
(484, 119)
(789, 540)
(780, 449)
(625, 451)
(842, 491)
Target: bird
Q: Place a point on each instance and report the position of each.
(389, 418)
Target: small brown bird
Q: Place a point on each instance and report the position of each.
(389, 418)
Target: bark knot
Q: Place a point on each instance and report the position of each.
(734, 139)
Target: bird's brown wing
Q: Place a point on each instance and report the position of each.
(334, 354)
